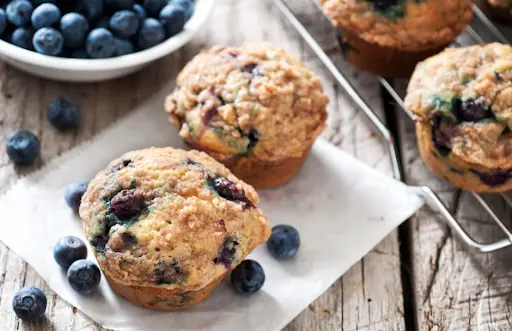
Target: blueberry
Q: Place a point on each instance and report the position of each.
(48, 41)
(22, 147)
(187, 5)
(46, 15)
(226, 252)
(384, 5)
(100, 43)
(151, 33)
(68, 250)
(495, 178)
(284, 242)
(91, 9)
(84, 276)
(22, 37)
(74, 28)
(154, 7)
(473, 110)
(73, 194)
(124, 23)
(140, 11)
(103, 22)
(79, 54)
(127, 204)
(63, 113)
(3, 21)
(123, 47)
(248, 277)
(29, 303)
(173, 19)
(442, 134)
(119, 4)
(229, 191)
(18, 12)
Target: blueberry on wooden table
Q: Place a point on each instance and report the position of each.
(248, 277)
(84, 276)
(29, 303)
(68, 250)
(45, 15)
(22, 147)
(19, 12)
(284, 242)
(63, 113)
(74, 192)
(48, 41)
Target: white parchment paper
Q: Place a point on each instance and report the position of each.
(341, 207)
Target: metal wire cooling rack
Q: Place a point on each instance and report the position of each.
(425, 192)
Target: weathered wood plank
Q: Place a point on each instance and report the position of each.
(368, 297)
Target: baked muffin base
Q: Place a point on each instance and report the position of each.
(160, 298)
(465, 180)
(496, 14)
(380, 60)
(259, 174)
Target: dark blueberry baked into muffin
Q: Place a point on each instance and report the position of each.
(167, 225)
(389, 37)
(255, 108)
(498, 10)
(462, 99)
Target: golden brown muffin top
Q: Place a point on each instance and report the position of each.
(252, 100)
(172, 218)
(403, 24)
(466, 94)
(501, 3)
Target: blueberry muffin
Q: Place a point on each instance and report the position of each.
(254, 108)
(462, 100)
(498, 10)
(389, 37)
(167, 225)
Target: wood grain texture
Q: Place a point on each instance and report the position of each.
(367, 298)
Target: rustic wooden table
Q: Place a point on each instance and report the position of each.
(419, 278)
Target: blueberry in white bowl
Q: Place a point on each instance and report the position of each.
(141, 26)
(29, 303)
(68, 250)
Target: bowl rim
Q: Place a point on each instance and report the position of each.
(202, 10)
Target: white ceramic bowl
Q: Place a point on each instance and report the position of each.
(90, 70)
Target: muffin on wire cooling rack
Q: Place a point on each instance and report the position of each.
(254, 108)
(462, 100)
(167, 225)
(389, 37)
(498, 10)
